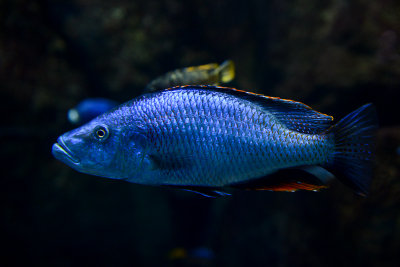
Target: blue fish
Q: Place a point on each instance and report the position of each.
(89, 109)
(207, 139)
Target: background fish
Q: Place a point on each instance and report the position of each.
(199, 254)
(89, 109)
(212, 74)
(206, 138)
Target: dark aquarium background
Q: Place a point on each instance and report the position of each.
(333, 55)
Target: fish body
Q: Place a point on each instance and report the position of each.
(212, 74)
(89, 109)
(202, 137)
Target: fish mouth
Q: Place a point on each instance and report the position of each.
(62, 152)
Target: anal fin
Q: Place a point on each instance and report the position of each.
(310, 178)
(291, 186)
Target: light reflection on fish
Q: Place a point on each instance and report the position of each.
(207, 139)
(210, 74)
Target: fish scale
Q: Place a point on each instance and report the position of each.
(231, 156)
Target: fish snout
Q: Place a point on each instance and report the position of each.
(61, 152)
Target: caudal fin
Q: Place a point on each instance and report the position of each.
(354, 148)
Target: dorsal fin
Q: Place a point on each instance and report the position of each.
(295, 115)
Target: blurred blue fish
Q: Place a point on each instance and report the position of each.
(198, 253)
(202, 253)
(89, 109)
(207, 139)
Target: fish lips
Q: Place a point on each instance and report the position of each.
(61, 152)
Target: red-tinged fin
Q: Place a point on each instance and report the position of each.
(294, 115)
(291, 187)
(354, 147)
(311, 178)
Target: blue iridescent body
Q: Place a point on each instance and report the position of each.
(198, 136)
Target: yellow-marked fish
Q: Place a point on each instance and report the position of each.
(207, 139)
(209, 74)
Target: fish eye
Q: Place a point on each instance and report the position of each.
(101, 133)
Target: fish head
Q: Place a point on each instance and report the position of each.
(100, 148)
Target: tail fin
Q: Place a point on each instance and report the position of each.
(226, 71)
(354, 147)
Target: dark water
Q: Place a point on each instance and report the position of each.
(332, 55)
